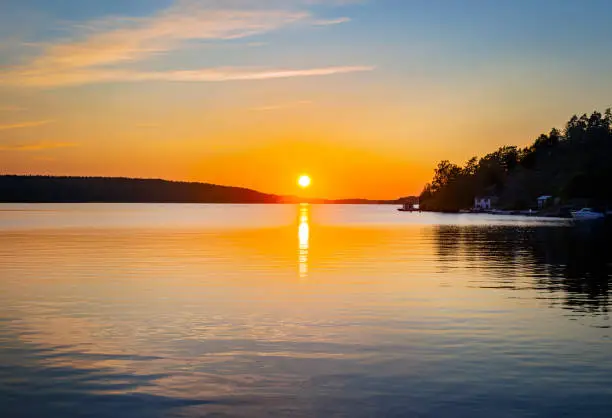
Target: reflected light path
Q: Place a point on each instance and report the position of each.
(303, 239)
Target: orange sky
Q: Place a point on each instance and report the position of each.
(364, 96)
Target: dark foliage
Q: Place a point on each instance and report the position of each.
(573, 164)
(101, 189)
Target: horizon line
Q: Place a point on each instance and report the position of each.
(281, 196)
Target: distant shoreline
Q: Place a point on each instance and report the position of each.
(40, 202)
(72, 189)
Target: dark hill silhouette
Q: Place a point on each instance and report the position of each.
(60, 189)
(122, 190)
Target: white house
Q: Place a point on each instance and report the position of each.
(484, 202)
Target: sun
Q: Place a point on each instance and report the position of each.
(304, 181)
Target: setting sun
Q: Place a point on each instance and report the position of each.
(304, 181)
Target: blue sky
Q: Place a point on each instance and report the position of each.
(470, 30)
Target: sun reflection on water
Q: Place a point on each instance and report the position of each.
(303, 238)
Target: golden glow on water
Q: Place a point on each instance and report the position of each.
(304, 239)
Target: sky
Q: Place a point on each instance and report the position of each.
(365, 96)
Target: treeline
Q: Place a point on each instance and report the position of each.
(574, 164)
(125, 190)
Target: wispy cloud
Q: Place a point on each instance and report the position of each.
(100, 50)
(28, 124)
(202, 75)
(330, 22)
(123, 40)
(281, 106)
(40, 146)
(11, 109)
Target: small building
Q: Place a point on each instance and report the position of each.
(410, 203)
(408, 207)
(543, 201)
(485, 202)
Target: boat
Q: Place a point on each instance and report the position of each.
(586, 214)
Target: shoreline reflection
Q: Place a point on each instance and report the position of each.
(572, 267)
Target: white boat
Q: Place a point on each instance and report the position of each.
(587, 214)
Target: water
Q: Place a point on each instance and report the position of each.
(283, 310)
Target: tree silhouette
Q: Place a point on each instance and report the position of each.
(575, 163)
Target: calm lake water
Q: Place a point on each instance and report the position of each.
(286, 310)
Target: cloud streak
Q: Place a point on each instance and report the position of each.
(281, 106)
(21, 125)
(103, 48)
(11, 109)
(201, 75)
(119, 40)
(330, 22)
(37, 146)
